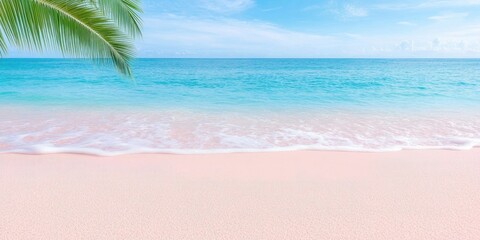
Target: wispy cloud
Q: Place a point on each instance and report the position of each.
(449, 16)
(342, 10)
(450, 3)
(196, 7)
(354, 11)
(227, 6)
(429, 4)
(182, 36)
(210, 28)
(171, 36)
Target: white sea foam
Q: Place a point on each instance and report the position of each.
(108, 133)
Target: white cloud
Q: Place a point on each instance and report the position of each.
(172, 36)
(346, 10)
(450, 3)
(461, 42)
(429, 4)
(181, 36)
(227, 6)
(354, 11)
(449, 16)
(195, 7)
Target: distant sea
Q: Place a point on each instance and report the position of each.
(239, 105)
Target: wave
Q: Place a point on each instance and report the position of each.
(109, 133)
(41, 150)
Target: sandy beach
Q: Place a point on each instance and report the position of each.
(239, 120)
(285, 195)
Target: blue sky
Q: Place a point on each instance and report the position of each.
(310, 28)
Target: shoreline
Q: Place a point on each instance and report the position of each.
(409, 194)
(189, 152)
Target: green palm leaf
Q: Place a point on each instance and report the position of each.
(124, 12)
(79, 28)
(3, 45)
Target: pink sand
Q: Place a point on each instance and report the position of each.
(289, 195)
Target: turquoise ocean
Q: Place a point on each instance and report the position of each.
(239, 105)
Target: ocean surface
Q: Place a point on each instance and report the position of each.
(239, 105)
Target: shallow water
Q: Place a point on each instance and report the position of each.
(224, 105)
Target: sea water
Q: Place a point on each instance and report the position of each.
(239, 105)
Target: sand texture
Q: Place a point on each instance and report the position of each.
(285, 195)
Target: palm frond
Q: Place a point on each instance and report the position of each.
(126, 13)
(3, 44)
(77, 28)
